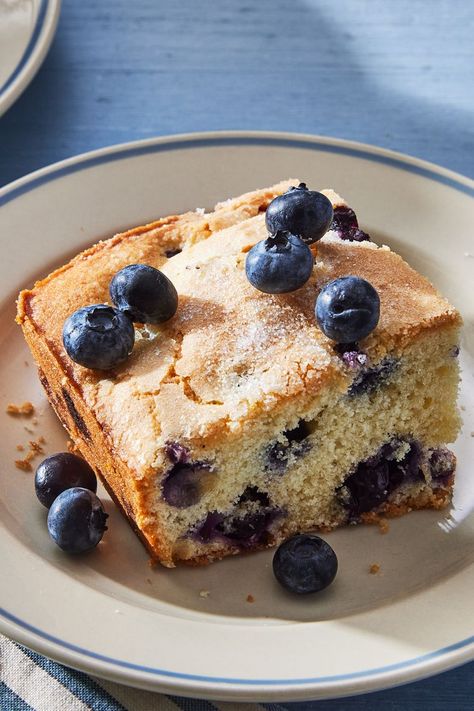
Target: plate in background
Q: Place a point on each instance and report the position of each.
(26, 30)
(151, 627)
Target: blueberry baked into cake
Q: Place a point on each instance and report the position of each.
(238, 376)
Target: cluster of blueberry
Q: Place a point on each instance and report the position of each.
(102, 336)
(347, 309)
(67, 486)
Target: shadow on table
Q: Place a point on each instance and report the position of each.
(120, 71)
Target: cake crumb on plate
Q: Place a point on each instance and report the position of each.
(204, 593)
(35, 448)
(384, 526)
(374, 569)
(250, 598)
(24, 464)
(24, 410)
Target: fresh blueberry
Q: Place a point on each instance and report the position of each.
(345, 224)
(98, 337)
(279, 264)
(347, 309)
(302, 212)
(76, 520)
(144, 293)
(183, 485)
(59, 472)
(305, 564)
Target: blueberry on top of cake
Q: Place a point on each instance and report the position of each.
(242, 420)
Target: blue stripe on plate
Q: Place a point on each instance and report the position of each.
(78, 683)
(29, 47)
(9, 701)
(192, 704)
(367, 673)
(268, 141)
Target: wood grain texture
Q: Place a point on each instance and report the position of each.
(396, 73)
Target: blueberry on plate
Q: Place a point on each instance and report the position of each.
(302, 212)
(59, 472)
(144, 293)
(279, 264)
(347, 309)
(76, 520)
(98, 337)
(305, 564)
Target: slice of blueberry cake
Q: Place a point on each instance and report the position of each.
(298, 376)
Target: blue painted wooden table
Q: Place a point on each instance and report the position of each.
(396, 74)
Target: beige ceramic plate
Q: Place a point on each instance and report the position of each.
(26, 30)
(108, 612)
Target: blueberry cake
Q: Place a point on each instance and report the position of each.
(239, 421)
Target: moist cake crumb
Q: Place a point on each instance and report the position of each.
(24, 410)
(204, 593)
(250, 598)
(374, 569)
(20, 448)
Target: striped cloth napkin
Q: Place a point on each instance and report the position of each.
(30, 682)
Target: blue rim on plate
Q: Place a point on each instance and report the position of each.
(29, 47)
(42, 34)
(410, 663)
(358, 150)
(140, 148)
